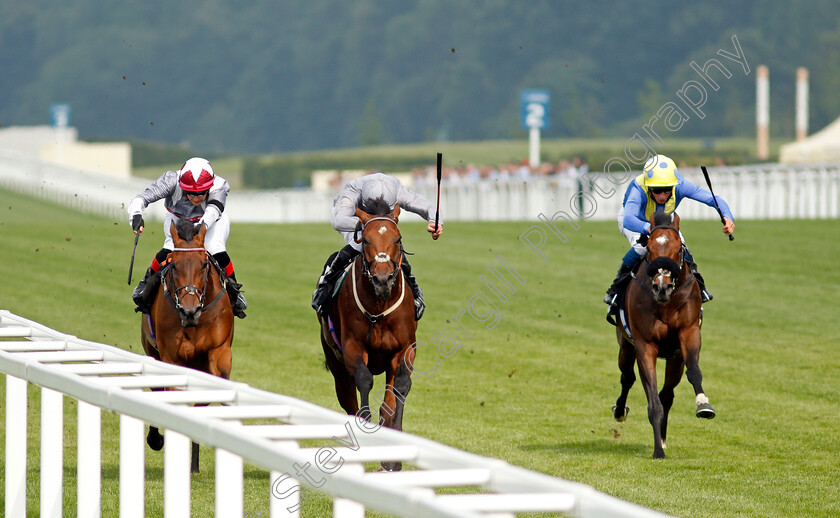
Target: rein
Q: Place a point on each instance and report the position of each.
(191, 289)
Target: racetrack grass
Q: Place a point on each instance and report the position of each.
(535, 390)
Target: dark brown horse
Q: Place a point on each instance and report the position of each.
(661, 320)
(191, 321)
(373, 320)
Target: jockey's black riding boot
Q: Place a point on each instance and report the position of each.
(689, 259)
(612, 292)
(419, 303)
(234, 289)
(137, 294)
(235, 293)
(333, 269)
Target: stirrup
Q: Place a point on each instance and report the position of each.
(419, 308)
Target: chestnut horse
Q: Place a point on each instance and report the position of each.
(372, 317)
(191, 320)
(662, 316)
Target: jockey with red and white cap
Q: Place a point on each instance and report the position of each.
(193, 193)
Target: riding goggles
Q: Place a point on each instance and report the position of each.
(660, 190)
(196, 194)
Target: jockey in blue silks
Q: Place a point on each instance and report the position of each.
(660, 188)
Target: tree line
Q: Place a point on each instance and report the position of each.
(265, 76)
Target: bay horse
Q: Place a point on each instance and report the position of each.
(191, 320)
(662, 317)
(372, 317)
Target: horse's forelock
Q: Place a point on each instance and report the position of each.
(660, 218)
(376, 207)
(187, 230)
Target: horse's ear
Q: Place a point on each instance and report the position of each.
(199, 236)
(395, 214)
(362, 215)
(675, 221)
(176, 239)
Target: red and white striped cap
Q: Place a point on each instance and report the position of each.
(196, 175)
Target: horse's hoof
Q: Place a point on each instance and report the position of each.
(658, 454)
(155, 443)
(619, 417)
(705, 411)
(390, 466)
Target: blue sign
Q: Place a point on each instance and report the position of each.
(60, 115)
(534, 108)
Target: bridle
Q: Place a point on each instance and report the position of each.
(173, 295)
(378, 258)
(381, 257)
(680, 264)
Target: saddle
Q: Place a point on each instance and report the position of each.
(329, 318)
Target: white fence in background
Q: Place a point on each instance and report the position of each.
(102, 377)
(760, 191)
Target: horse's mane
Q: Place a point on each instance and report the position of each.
(660, 218)
(377, 207)
(187, 230)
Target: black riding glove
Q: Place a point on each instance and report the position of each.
(137, 222)
(643, 239)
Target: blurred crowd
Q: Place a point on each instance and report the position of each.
(509, 172)
(564, 171)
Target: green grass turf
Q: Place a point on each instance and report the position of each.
(535, 389)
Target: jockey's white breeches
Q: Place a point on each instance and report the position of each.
(215, 240)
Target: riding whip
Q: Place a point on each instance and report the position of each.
(709, 183)
(131, 266)
(437, 208)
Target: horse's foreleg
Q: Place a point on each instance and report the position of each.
(646, 358)
(673, 375)
(220, 361)
(154, 438)
(364, 383)
(345, 384)
(626, 364)
(194, 461)
(402, 385)
(690, 343)
(393, 403)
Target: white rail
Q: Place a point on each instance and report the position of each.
(759, 191)
(102, 377)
